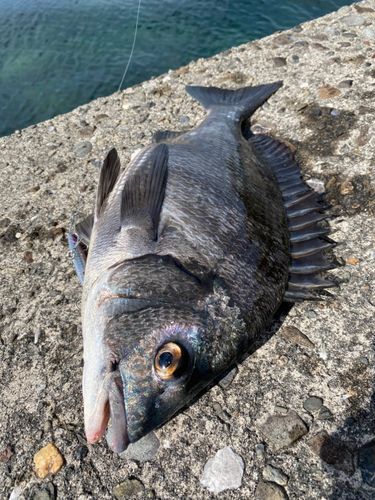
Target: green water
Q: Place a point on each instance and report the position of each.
(57, 55)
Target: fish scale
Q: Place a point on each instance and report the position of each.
(191, 250)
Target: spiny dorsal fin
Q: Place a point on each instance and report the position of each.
(108, 175)
(162, 135)
(144, 189)
(248, 99)
(84, 229)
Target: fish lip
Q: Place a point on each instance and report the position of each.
(109, 403)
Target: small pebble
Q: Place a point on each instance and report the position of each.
(270, 491)
(47, 427)
(47, 492)
(275, 475)
(223, 471)
(282, 361)
(365, 361)
(368, 32)
(331, 31)
(217, 408)
(48, 460)
(183, 119)
(328, 92)
(345, 84)
(29, 257)
(87, 132)
(282, 431)
(292, 334)
(295, 59)
(352, 20)
(346, 188)
(82, 149)
(100, 118)
(82, 452)
(228, 377)
(317, 185)
(259, 451)
(352, 261)
(37, 335)
(323, 355)
(311, 314)
(279, 62)
(335, 112)
(6, 454)
(72, 330)
(281, 409)
(318, 46)
(324, 413)
(363, 110)
(313, 404)
(349, 421)
(128, 489)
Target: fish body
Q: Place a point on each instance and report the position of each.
(190, 254)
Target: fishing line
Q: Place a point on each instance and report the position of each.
(131, 52)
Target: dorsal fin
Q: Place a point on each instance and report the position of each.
(144, 189)
(108, 175)
(84, 229)
(162, 135)
(303, 214)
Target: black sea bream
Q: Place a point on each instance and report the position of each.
(191, 249)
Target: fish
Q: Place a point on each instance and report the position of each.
(189, 252)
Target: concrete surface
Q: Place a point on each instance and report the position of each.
(45, 178)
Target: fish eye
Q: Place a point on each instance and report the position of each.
(170, 361)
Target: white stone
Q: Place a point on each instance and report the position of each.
(368, 32)
(223, 471)
(15, 493)
(353, 20)
(317, 185)
(149, 85)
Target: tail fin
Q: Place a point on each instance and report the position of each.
(248, 98)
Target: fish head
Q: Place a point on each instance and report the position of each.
(151, 359)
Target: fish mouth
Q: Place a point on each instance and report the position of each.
(109, 404)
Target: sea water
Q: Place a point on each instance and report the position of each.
(58, 54)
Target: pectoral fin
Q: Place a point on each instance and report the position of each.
(84, 229)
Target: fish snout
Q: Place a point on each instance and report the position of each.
(109, 403)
